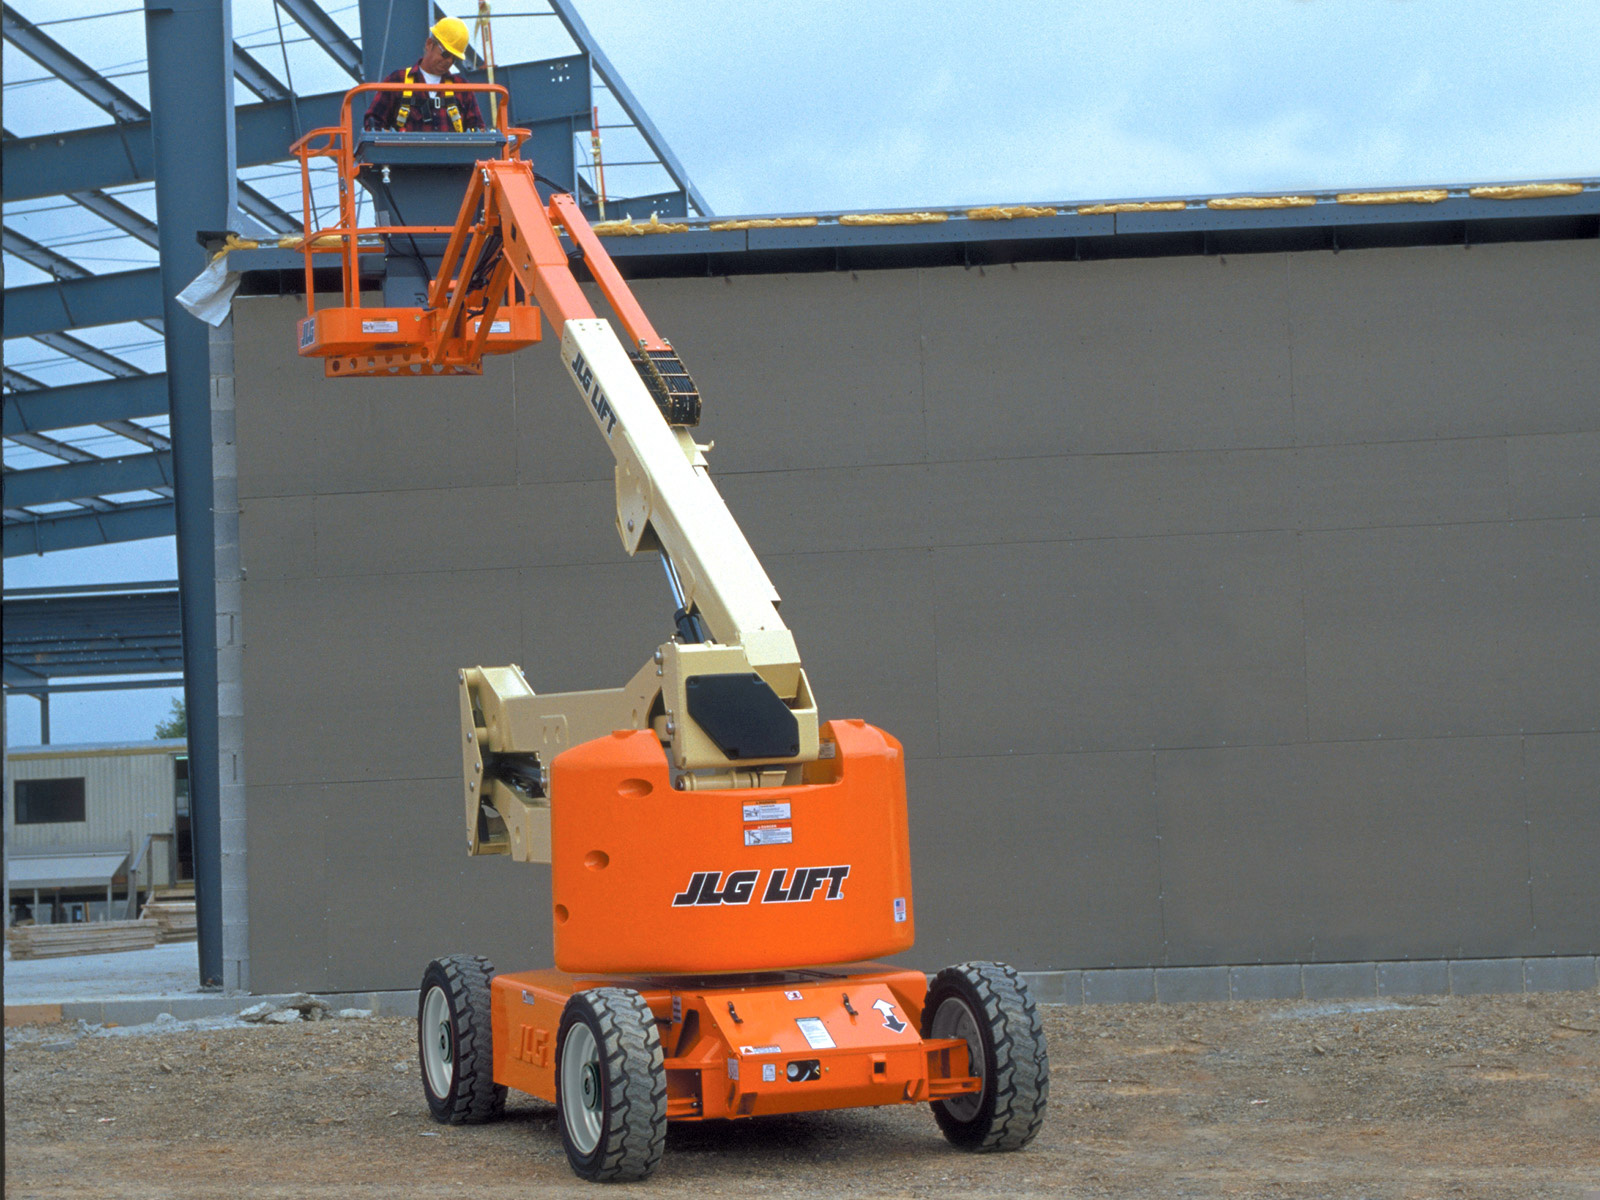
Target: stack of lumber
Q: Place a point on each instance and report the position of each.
(175, 917)
(94, 937)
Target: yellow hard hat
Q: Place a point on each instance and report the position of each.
(451, 33)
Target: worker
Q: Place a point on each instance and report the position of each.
(429, 111)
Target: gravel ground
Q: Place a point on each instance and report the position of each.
(170, 970)
(1495, 1097)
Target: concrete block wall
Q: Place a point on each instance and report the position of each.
(1234, 612)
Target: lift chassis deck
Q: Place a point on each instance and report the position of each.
(780, 1042)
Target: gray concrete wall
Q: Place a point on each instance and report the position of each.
(1231, 610)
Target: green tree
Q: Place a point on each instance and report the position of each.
(177, 723)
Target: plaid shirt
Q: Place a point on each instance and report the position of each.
(429, 112)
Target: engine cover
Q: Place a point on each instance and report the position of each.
(646, 878)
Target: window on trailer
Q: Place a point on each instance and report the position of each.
(49, 801)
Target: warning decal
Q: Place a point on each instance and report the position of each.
(815, 1033)
(766, 812)
(769, 835)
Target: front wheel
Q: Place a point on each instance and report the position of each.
(455, 1041)
(611, 1085)
(987, 1005)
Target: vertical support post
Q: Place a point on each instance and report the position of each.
(189, 46)
(230, 670)
(392, 32)
(44, 718)
(5, 799)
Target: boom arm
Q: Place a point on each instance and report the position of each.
(734, 709)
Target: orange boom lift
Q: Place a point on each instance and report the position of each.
(722, 969)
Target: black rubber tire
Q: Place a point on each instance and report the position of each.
(631, 1106)
(1015, 1066)
(470, 1095)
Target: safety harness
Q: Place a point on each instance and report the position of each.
(450, 107)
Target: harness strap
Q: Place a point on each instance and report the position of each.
(404, 115)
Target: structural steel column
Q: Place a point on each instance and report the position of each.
(189, 44)
(392, 32)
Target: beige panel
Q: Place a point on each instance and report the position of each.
(1442, 631)
(339, 909)
(1555, 475)
(355, 678)
(1112, 495)
(1340, 852)
(1445, 341)
(1051, 859)
(800, 371)
(448, 529)
(1119, 643)
(1094, 357)
(842, 508)
(1561, 782)
(588, 626)
(278, 537)
(1401, 483)
(867, 625)
(370, 434)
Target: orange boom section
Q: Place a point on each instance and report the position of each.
(646, 878)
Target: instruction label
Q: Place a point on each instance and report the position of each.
(815, 1033)
(766, 812)
(760, 1049)
(769, 835)
(380, 327)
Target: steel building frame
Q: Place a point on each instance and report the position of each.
(82, 499)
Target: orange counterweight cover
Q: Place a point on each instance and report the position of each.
(646, 878)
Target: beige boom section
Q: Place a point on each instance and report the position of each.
(666, 504)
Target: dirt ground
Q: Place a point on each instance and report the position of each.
(1490, 1097)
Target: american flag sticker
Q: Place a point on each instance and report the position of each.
(899, 909)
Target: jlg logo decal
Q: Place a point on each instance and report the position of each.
(708, 887)
(590, 386)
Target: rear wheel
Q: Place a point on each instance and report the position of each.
(611, 1085)
(454, 1041)
(987, 1005)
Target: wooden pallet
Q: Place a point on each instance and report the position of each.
(93, 937)
(176, 918)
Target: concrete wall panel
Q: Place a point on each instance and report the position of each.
(829, 375)
(1106, 357)
(1119, 643)
(373, 434)
(1561, 774)
(1015, 854)
(1445, 631)
(1555, 475)
(1444, 342)
(1342, 851)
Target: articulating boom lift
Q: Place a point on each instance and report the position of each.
(723, 974)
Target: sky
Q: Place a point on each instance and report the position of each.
(830, 106)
